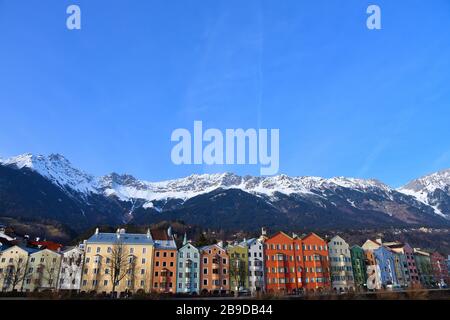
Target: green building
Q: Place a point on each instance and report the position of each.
(423, 264)
(238, 254)
(359, 267)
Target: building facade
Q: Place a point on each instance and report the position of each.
(295, 265)
(71, 268)
(409, 264)
(256, 277)
(342, 279)
(118, 263)
(188, 269)
(238, 255)
(359, 268)
(316, 270)
(164, 262)
(14, 268)
(283, 264)
(43, 271)
(439, 270)
(425, 271)
(214, 270)
(382, 262)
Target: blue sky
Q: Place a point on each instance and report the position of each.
(348, 101)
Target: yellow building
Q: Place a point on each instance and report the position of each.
(13, 268)
(42, 271)
(118, 262)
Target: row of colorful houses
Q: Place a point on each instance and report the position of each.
(126, 263)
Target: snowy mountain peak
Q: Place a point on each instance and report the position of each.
(429, 183)
(432, 189)
(57, 169)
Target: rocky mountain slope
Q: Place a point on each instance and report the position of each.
(50, 187)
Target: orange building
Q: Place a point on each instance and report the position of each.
(214, 270)
(296, 264)
(164, 262)
(283, 263)
(316, 263)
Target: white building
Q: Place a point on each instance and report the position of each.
(341, 265)
(256, 265)
(71, 268)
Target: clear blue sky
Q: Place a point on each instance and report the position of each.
(348, 101)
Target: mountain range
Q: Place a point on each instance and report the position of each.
(50, 187)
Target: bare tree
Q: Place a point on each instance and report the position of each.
(71, 267)
(238, 272)
(15, 273)
(50, 271)
(131, 273)
(118, 263)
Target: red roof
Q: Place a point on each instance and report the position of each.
(47, 245)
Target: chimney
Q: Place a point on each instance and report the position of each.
(220, 243)
(148, 233)
(96, 231)
(169, 231)
(122, 231)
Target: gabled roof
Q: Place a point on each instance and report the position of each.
(249, 242)
(26, 249)
(312, 234)
(188, 244)
(370, 242)
(281, 233)
(42, 250)
(337, 238)
(204, 248)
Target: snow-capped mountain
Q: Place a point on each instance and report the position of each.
(57, 169)
(224, 200)
(126, 187)
(433, 190)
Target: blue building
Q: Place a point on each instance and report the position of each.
(385, 259)
(188, 268)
